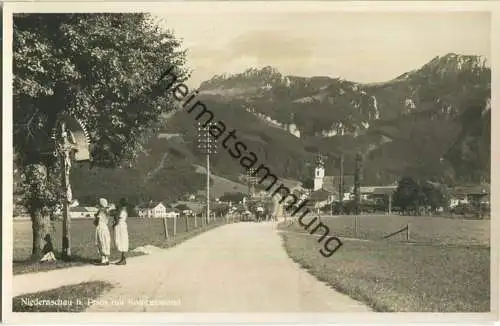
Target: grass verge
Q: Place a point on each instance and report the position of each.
(84, 251)
(397, 277)
(70, 298)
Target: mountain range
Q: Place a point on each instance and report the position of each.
(430, 123)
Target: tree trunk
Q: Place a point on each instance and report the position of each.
(40, 215)
(41, 228)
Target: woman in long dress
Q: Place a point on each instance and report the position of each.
(102, 235)
(121, 231)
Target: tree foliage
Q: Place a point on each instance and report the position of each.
(182, 207)
(103, 69)
(436, 195)
(408, 194)
(220, 209)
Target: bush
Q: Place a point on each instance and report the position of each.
(462, 209)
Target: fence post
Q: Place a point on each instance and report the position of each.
(356, 225)
(187, 223)
(175, 225)
(408, 232)
(165, 227)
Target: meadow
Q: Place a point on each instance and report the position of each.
(444, 268)
(83, 248)
(423, 229)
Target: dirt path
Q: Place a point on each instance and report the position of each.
(234, 268)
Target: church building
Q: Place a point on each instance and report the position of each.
(326, 188)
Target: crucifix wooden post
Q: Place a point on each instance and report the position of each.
(66, 147)
(70, 137)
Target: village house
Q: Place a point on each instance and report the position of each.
(470, 195)
(172, 213)
(152, 210)
(187, 212)
(378, 194)
(82, 212)
(320, 198)
(375, 193)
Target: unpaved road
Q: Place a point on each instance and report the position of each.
(234, 268)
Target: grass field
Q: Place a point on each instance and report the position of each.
(63, 299)
(83, 248)
(423, 229)
(446, 269)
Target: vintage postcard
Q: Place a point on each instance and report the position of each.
(249, 162)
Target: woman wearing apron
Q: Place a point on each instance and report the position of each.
(102, 235)
(121, 231)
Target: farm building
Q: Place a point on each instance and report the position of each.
(172, 213)
(152, 210)
(471, 194)
(321, 197)
(82, 212)
(377, 192)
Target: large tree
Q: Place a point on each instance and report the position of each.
(436, 195)
(103, 69)
(408, 194)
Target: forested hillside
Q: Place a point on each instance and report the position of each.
(433, 123)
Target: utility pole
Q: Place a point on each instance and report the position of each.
(207, 146)
(357, 182)
(341, 185)
(208, 189)
(252, 180)
(357, 190)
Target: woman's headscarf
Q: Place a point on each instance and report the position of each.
(103, 203)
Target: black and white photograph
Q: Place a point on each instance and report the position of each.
(247, 159)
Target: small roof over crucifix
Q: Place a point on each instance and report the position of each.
(73, 130)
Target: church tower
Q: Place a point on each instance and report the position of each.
(319, 172)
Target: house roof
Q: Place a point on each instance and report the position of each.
(150, 205)
(298, 192)
(483, 189)
(378, 190)
(319, 195)
(195, 207)
(384, 190)
(79, 209)
(331, 183)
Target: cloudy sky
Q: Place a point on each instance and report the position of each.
(357, 46)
